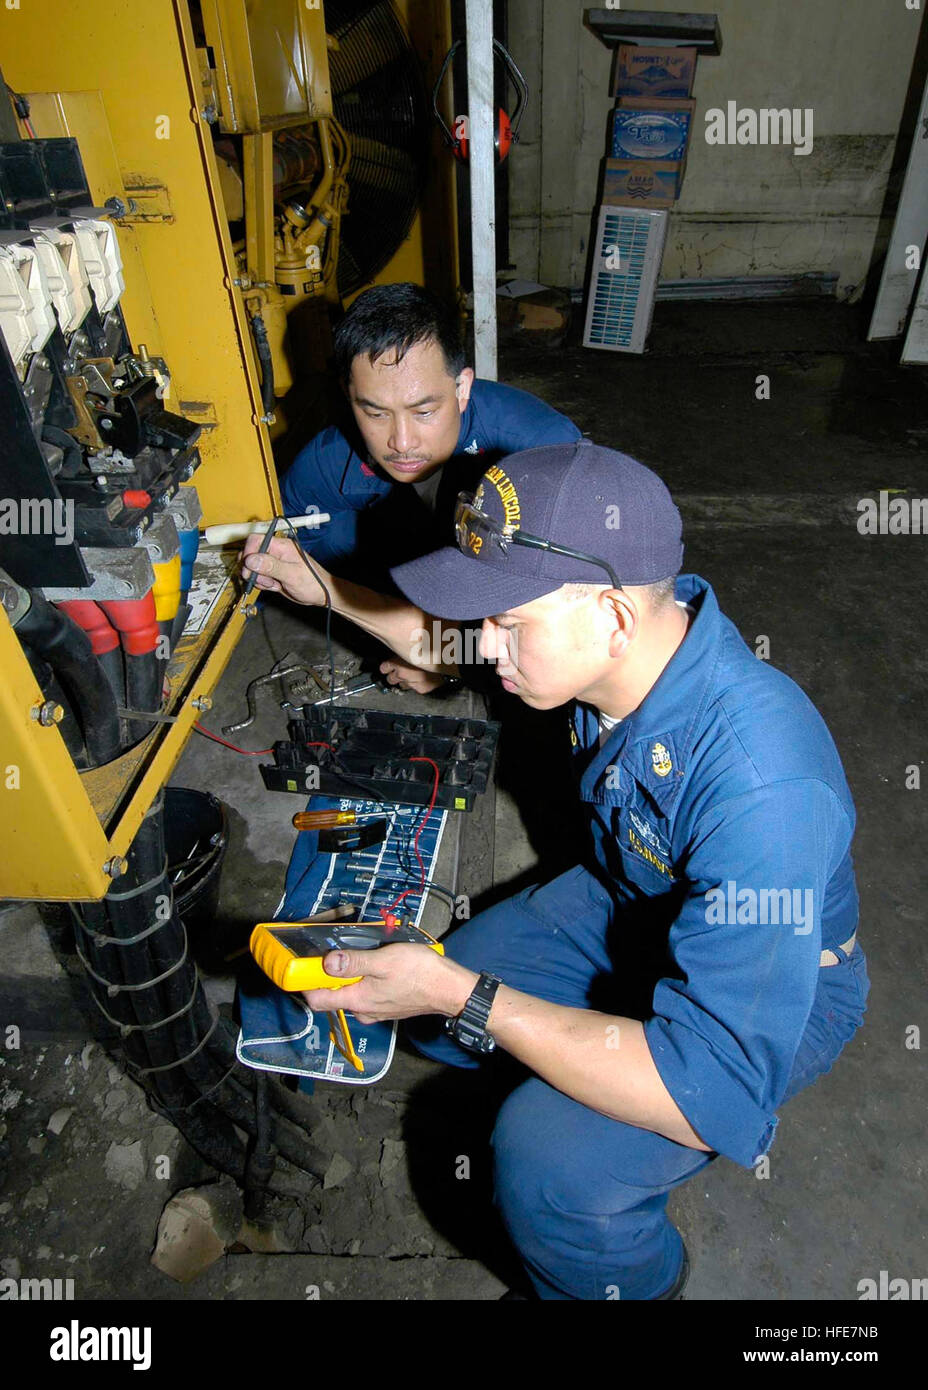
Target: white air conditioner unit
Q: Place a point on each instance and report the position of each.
(626, 263)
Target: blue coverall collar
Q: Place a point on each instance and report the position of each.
(656, 739)
(465, 433)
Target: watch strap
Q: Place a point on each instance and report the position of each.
(470, 1026)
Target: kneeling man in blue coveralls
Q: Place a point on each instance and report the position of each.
(700, 967)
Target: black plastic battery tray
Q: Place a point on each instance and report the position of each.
(371, 751)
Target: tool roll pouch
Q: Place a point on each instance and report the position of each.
(278, 1031)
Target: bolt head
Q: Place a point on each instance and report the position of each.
(115, 867)
(47, 713)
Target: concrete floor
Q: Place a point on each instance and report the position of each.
(768, 490)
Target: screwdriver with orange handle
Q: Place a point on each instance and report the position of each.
(323, 820)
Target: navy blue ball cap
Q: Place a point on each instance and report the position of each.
(580, 496)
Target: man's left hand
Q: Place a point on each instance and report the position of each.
(408, 677)
(400, 981)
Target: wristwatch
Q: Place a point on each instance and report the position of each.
(469, 1028)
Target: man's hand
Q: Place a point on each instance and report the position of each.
(400, 981)
(282, 570)
(407, 677)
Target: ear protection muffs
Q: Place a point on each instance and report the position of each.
(507, 128)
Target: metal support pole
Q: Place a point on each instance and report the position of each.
(482, 165)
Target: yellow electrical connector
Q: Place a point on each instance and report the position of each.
(166, 589)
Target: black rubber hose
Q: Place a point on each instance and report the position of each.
(128, 917)
(143, 691)
(267, 363)
(180, 621)
(259, 1168)
(159, 950)
(238, 1102)
(68, 651)
(165, 948)
(126, 965)
(51, 690)
(177, 1088)
(91, 922)
(112, 666)
(292, 1106)
(210, 1132)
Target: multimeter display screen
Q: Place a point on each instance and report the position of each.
(358, 936)
(316, 941)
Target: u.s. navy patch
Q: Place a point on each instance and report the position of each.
(649, 834)
(642, 851)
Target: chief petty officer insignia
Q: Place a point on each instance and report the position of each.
(660, 760)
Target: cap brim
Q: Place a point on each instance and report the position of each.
(449, 584)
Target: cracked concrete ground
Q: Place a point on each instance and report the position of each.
(767, 491)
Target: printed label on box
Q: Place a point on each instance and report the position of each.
(651, 135)
(641, 183)
(655, 72)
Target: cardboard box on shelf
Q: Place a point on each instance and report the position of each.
(651, 129)
(645, 183)
(653, 71)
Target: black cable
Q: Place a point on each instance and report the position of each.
(328, 620)
(263, 348)
(143, 690)
(261, 1159)
(67, 649)
(51, 690)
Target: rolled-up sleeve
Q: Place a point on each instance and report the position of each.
(746, 945)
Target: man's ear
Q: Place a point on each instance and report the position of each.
(462, 387)
(622, 612)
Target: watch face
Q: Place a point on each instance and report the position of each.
(473, 1040)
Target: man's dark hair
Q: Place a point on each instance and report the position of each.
(389, 318)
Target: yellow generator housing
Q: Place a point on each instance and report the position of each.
(189, 118)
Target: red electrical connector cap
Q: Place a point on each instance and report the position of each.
(88, 616)
(135, 621)
(136, 498)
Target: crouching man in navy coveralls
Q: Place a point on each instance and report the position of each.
(700, 966)
(420, 428)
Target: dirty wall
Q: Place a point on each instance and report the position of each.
(744, 209)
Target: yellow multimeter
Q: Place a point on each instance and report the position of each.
(291, 953)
